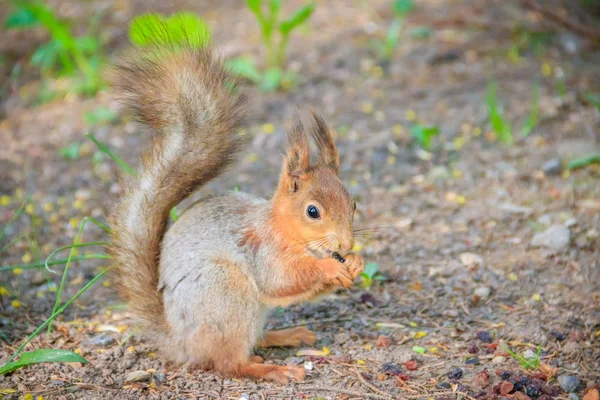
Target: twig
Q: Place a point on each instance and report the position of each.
(367, 384)
(344, 391)
(584, 30)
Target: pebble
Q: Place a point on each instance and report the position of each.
(498, 359)
(556, 237)
(483, 292)
(529, 354)
(469, 259)
(573, 396)
(455, 374)
(569, 383)
(472, 361)
(545, 219)
(552, 167)
(137, 376)
(100, 340)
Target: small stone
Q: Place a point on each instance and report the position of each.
(529, 354)
(498, 359)
(391, 369)
(556, 237)
(574, 396)
(552, 167)
(483, 292)
(137, 376)
(482, 379)
(472, 361)
(545, 219)
(101, 340)
(308, 365)
(444, 385)
(568, 383)
(470, 259)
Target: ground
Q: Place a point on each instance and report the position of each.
(453, 227)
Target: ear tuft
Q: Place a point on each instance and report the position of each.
(297, 161)
(321, 134)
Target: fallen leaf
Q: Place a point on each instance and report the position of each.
(420, 334)
(482, 379)
(419, 350)
(383, 342)
(506, 387)
(411, 365)
(592, 395)
(310, 352)
(137, 376)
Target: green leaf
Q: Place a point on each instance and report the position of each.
(371, 269)
(70, 152)
(531, 121)
(594, 99)
(274, 6)
(585, 161)
(41, 356)
(271, 80)
(254, 6)
(87, 44)
(244, 68)
(423, 134)
(21, 19)
(46, 56)
(403, 7)
(419, 349)
(298, 18)
(500, 126)
(100, 115)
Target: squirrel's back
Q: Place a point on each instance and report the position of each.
(188, 101)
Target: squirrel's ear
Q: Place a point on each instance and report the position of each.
(297, 160)
(328, 154)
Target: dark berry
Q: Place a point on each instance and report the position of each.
(391, 369)
(558, 335)
(484, 336)
(532, 391)
(505, 375)
(455, 374)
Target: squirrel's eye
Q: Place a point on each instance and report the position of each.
(313, 212)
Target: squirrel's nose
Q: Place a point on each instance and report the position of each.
(346, 244)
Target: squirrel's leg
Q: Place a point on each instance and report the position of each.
(293, 337)
(276, 373)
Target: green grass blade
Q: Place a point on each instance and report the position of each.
(57, 313)
(52, 263)
(585, 161)
(531, 121)
(15, 216)
(103, 148)
(68, 264)
(41, 356)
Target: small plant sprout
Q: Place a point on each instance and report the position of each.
(64, 55)
(370, 274)
(531, 363)
(386, 48)
(500, 124)
(424, 134)
(275, 34)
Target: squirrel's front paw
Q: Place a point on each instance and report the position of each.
(355, 264)
(337, 273)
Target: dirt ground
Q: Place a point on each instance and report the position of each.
(455, 227)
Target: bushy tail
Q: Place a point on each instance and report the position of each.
(187, 99)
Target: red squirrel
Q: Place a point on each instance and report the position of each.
(202, 288)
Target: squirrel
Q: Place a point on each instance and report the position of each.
(202, 287)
